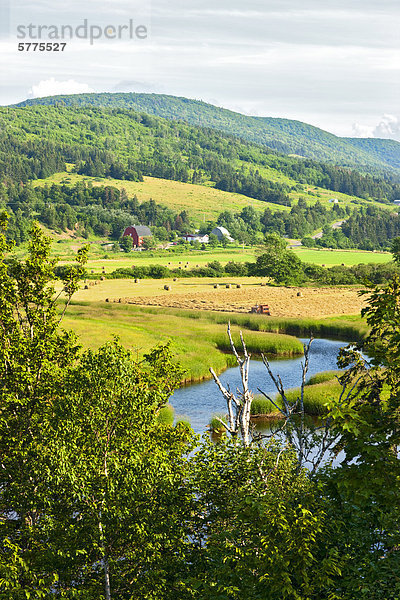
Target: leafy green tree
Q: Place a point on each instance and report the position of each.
(264, 532)
(94, 497)
(275, 261)
(213, 240)
(365, 490)
(34, 356)
(118, 478)
(126, 243)
(395, 250)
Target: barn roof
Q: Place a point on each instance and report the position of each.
(142, 230)
(223, 230)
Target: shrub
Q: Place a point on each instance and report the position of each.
(166, 415)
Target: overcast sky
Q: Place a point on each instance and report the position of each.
(334, 64)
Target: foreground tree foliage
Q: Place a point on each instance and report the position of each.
(99, 500)
(93, 500)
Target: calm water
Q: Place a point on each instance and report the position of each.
(200, 401)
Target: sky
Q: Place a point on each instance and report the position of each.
(332, 63)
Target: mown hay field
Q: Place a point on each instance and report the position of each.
(200, 294)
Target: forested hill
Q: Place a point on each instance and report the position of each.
(284, 135)
(37, 141)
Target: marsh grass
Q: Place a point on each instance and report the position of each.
(316, 396)
(323, 377)
(264, 407)
(215, 425)
(198, 343)
(261, 343)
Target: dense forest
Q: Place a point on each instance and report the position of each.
(282, 135)
(366, 228)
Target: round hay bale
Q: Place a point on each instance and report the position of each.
(102, 278)
(343, 265)
(238, 286)
(92, 271)
(107, 299)
(167, 287)
(137, 280)
(86, 287)
(197, 266)
(299, 294)
(323, 265)
(216, 286)
(180, 262)
(228, 286)
(175, 279)
(119, 300)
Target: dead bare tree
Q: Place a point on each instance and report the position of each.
(312, 443)
(239, 406)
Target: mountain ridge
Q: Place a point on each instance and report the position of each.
(373, 155)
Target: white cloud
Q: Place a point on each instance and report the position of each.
(387, 128)
(52, 87)
(362, 131)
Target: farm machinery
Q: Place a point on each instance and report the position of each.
(261, 309)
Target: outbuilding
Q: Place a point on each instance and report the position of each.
(137, 233)
(222, 232)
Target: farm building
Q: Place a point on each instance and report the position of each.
(137, 233)
(190, 237)
(221, 232)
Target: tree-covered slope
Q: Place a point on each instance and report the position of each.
(125, 144)
(284, 135)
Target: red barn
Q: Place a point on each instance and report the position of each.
(137, 233)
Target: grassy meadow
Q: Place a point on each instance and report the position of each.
(318, 391)
(100, 256)
(203, 202)
(330, 258)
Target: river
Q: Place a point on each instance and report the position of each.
(198, 402)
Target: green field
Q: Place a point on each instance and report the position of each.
(192, 259)
(338, 257)
(203, 202)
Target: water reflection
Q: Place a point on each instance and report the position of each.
(200, 401)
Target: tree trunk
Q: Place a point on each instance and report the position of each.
(104, 559)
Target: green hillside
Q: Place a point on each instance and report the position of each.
(283, 135)
(101, 168)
